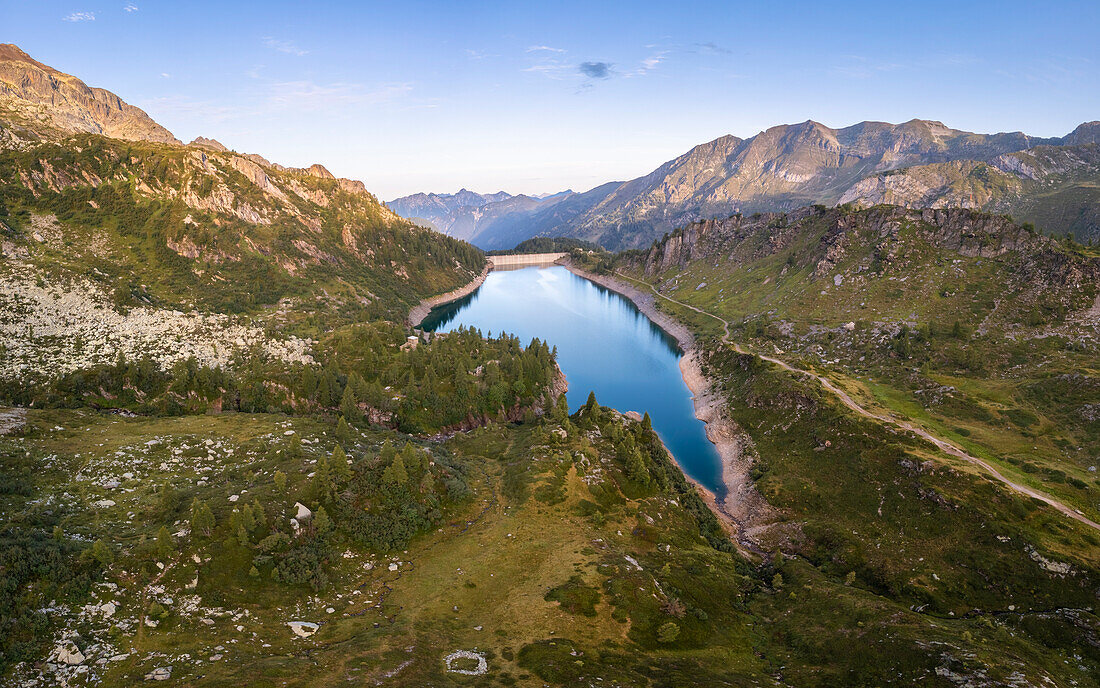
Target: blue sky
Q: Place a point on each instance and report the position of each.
(432, 96)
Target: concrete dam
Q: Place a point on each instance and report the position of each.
(521, 259)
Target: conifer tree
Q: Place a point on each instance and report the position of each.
(590, 406)
(338, 464)
(349, 405)
(258, 513)
(280, 481)
(202, 519)
(323, 484)
(102, 553)
(343, 432)
(166, 544)
(294, 449)
(395, 473)
(321, 522)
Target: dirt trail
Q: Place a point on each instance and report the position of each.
(845, 399)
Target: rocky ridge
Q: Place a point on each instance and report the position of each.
(59, 101)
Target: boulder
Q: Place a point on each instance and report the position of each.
(303, 512)
(303, 629)
(69, 653)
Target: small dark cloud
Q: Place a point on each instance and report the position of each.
(712, 48)
(596, 70)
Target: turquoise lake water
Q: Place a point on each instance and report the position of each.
(605, 344)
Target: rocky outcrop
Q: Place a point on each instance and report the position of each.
(209, 144)
(68, 104)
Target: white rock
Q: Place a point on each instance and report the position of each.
(303, 629)
(69, 653)
(159, 674)
(393, 567)
(303, 512)
(234, 498)
(103, 504)
(108, 609)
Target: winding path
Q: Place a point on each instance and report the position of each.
(845, 399)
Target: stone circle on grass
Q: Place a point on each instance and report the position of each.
(482, 664)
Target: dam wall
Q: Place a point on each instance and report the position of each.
(521, 259)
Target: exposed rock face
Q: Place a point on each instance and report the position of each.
(318, 170)
(70, 105)
(210, 144)
(966, 232)
(1053, 186)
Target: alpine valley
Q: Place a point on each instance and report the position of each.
(230, 455)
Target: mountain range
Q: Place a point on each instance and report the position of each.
(1053, 182)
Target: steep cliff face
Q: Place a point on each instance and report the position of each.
(1054, 187)
(47, 98)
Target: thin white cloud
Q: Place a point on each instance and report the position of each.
(307, 95)
(165, 75)
(552, 70)
(479, 54)
(79, 17)
(130, 7)
(544, 48)
(288, 47)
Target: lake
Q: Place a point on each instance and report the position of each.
(605, 344)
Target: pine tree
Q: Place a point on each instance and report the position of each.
(321, 522)
(343, 432)
(411, 457)
(294, 449)
(323, 484)
(338, 464)
(258, 513)
(349, 405)
(561, 409)
(102, 553)
(635, 467)
(591, 408)
(280, 481)
(647, 424)
(202, 519)
(395, 473)
(166, 544)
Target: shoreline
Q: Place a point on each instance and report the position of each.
(644, 301)
(743, 510)
(421, 310)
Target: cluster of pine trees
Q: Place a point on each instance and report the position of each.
(362, 374)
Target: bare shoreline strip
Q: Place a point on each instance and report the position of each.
(421, 310)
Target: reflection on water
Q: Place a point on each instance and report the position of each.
(604, 345)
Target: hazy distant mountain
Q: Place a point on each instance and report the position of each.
(453, 214)
(779, 169)
(53, 99)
